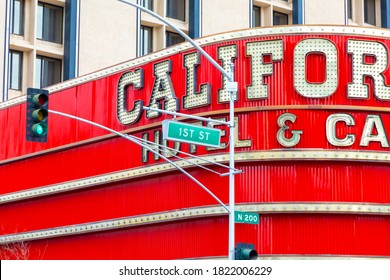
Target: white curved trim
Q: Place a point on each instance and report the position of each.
(199, 212)
(232, 35)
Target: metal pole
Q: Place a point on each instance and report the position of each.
(185, 36)
(139, 142)
(231, 173)
(232, 88)
(185, 115)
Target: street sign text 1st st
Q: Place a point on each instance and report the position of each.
(193, 134)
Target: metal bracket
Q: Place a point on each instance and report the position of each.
(232, 86)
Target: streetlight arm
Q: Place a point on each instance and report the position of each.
(232, 88)
(185, 36)
(139, 142)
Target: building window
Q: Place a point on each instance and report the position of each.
(369, 12)
(49, 23)
(176, 9)
(147, 4)
(349, 9)
(146, 40)
(48, 71)
(17, 17)
(280, 18)
(173, 38)
(256, 16)
(15, 70)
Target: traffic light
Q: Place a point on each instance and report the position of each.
(245, 251)
(37, 115)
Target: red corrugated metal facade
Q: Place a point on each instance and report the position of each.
(79, 195)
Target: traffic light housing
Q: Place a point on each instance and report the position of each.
(245, 251)
(37, 115)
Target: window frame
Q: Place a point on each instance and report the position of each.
(366, 15)
(143, 28)
(256, 10)
(46, 58)
(177, 35)
(10, 70)
(349, 9)
(144, 3)
(277, 12)
(169, 14)
(21, 17)
(44, 5)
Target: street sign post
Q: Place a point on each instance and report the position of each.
(246, 218)
(193, 134)
(232, 86)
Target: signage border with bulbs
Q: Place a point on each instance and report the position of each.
(312, 115)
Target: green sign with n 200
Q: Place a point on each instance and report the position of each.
(246, 217)
(193, 134)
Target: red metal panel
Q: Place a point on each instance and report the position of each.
(118, 154)
(97, 99)
(275, 235)
(262, 181)
(268, 182)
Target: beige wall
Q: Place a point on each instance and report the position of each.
(220, 16)
(325, 12)
(106, 38)
(31, 46)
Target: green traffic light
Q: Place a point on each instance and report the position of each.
(37, 113)
(39, 129)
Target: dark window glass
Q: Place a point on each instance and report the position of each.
(17, 17)
(349, 9)
(48, 71)
(147, 4)
(176, 9)
(173, 38)
(15, 70)
(280, 18)
(49, 23)
(256, 17)
(369, 12)
(146, 40)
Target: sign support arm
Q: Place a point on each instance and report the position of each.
(232, 87)
(136, 141)
(175, 114)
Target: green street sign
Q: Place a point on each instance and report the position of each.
(193, 134)
(246, 217)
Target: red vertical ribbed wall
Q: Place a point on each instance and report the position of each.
(76, 151)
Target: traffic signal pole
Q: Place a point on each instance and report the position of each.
(142, 144)
(232, 88)
(231, 165)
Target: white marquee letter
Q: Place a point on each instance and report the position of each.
(360, 49)
(331, 122)
(135, 78)
(259, 69)
(315, 90)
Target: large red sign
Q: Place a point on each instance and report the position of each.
(312, 125)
